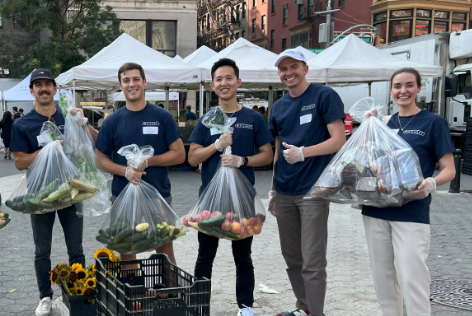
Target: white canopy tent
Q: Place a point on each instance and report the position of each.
(149, 95)
(352, 60)
(308, 53)
(199, 56)
(101, 71)
(177, 57)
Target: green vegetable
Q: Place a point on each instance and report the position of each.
(141, 245)
(123, 234)
(104, 240)
(11, 204)
(164, 231)
(104, 233)
(225, 233)
(40, 204)
(175, 232)
(59, 193)
(136, 236)
(215, 221)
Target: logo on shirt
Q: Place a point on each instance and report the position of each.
(61, 127)
(417, 132)
(242, 125)
(308, 107)
(151, 123)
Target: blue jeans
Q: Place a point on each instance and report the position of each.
(42, 224)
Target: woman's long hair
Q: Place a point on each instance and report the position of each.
(7, 117)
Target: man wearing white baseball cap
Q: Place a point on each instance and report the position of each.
(307, 124)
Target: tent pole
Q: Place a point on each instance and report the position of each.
(201, 99)
(370, 89)
(73, 90)
(271, 100)
(167, 98)
(207, 101)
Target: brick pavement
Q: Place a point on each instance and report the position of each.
(350, 288)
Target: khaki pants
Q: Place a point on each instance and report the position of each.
(303, 230)
(398, 253)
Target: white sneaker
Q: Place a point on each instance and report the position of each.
(247, 311)
(44, 307)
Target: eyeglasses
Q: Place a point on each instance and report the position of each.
(52, 120)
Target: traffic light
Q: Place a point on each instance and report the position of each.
(379, 41)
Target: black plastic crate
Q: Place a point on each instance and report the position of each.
(79, 305)
(148, 287)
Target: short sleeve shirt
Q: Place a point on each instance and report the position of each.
(152, 126)
(302, 121)
(250, 132)
(430, 137)
(25, 131)
(190, 116)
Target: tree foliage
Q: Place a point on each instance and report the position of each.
(64, 33)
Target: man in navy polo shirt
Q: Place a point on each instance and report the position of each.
(25, 149)
(250, 132)
(307, 124)
(140, 123)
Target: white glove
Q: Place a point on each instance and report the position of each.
(133, 175)
(293, 154)
(271, 206)
(224, 141)
(231, 161)
(370, 113)
(424, 189)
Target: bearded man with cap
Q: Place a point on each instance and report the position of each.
(25, 148)
(307, 124)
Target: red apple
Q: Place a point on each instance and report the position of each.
(185, 221)
(205, 215)
(226, 226)
(215, 214)
(252, 221)
(229, 216)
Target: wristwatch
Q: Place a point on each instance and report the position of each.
(246, 161)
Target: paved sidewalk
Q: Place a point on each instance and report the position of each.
(350, 288)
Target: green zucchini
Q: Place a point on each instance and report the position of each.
(226, 233)
(11, 204)
(141, 245)
(123, 234)
(104, 240)
(39, 204)
(104, 233)
(136, 236)
(215, 221)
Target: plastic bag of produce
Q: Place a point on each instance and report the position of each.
(140, 219)
(229, 206)
(51, 182)
(79, 148)
(374, 167)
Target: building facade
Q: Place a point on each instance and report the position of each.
(167, 26)
(221, 22)
(400, 19)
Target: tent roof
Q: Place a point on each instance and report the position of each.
(21, 92)
(101, 70)
(308, 53)
(256, 65)
(351, 60)
(177, 57)
(199, 56)
(149, 95)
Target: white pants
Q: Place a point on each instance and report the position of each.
(398, 253)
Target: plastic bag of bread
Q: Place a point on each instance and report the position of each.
(374, 167)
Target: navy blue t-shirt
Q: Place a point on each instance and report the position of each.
(302, 121)
(190, 116)
(25, 131)
(250, 132)
(430, 137)
(152, 126)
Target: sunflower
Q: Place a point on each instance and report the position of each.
(70, 285)
(79, 291)
(76, 266)
(79, 287)
(72, 277)
(91, 270)
(89, 291)
(82, 274)
(105, 253)
(63, 275)
(72, 291)
(61, 266)
(54, 274)
(91, 282)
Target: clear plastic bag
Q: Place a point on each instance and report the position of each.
(51, 182)
(374, 167)
(79, 148)
(140, 219)
(229, 206)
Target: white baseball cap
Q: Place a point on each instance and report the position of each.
(292, 53)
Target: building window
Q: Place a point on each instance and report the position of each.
(272, 39)
(243, 12)
(253, 27)
(285, 14)
(299, 40)
(423, 13)
(401, 13)
(380, 17)
(422, 27)
(400, 29)
(457, 26)
(284, 44)
(340, 3)
(237, 13)
(254, 2)
(300, 12)
(382, 31)
(243, 33)
(272, 8)
(236, 35)
(263, 24)
(440, 26)
(441, 15)
(309, 13)
(459, 16)
(160, 35)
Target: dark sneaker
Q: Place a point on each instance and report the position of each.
(295, 312)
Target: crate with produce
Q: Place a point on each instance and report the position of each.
(229, 206)
(52, 181)
(140, 219)
(375, 167)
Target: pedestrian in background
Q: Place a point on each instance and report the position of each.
(398, 238)
(6, 125)
(16, 114)
(262, 110)
(21, 112)
(307, 124)
(189, 115)
(207, 145)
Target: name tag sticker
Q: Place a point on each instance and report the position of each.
(214, 131)
(154, 130)
(305, 119)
